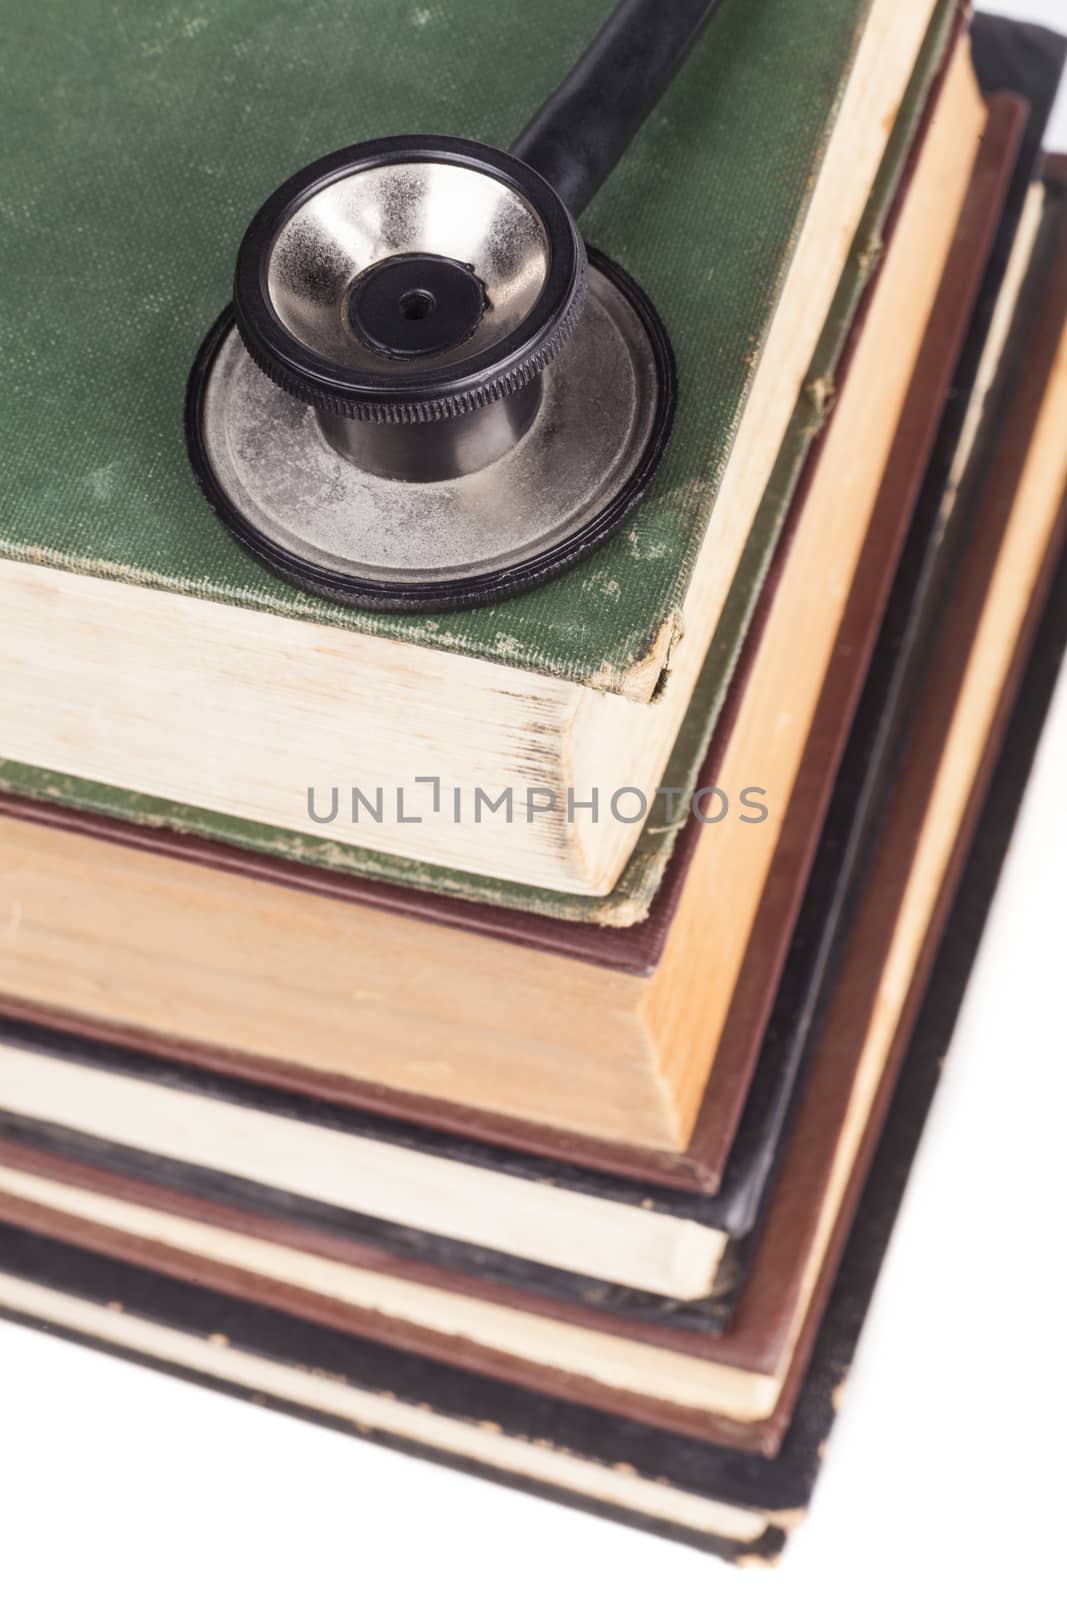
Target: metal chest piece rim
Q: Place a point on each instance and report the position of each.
(509, 440)
(428, 394)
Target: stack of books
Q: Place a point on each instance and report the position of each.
(505, 1033)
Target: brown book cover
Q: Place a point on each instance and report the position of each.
(701, 1167)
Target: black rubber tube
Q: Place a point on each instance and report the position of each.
(582, 129)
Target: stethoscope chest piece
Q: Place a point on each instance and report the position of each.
(428, 394)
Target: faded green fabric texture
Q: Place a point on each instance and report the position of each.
(630, 900)
(139, 139)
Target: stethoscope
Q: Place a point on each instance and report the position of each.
(428, 392)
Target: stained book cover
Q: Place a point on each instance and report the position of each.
(180, 93)
(591, 625)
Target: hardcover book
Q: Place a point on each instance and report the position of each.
(237, 693)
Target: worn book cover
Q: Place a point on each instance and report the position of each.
(100, 511)
(181, 82)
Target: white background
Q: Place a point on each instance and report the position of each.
(945, 1472)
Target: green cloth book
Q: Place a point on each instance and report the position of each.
(155, 671)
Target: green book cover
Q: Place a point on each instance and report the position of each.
(141, 137)
(224, 103)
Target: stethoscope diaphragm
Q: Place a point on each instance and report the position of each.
(428, 394)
